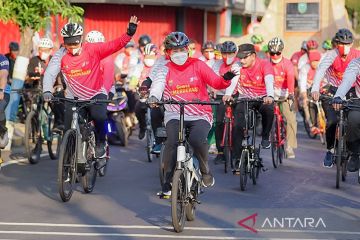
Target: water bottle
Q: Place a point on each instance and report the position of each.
(181, 153)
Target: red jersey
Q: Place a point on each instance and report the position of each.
(252, 79)
(295, 57)
(284, 80)
(83, 74)
(108, 68)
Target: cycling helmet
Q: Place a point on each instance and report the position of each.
(344, 36)
(256, 39)
(265, 48)
(14, 46)
(228, 47)
(207, 45)
(72, 33)
(46, 43)
(143, 40)
(130, 44)
(95, 37)
(176, 40)
(276, 45)
(304, 45)
(327, 45)
(312, 44)
(149, 49)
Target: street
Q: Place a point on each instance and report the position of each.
(296, 201)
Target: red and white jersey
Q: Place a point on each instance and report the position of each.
(284, 81)
(186, 83)
(83, 74)
(220, 68)
(351, 77)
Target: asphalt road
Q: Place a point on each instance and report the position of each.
(296, 201)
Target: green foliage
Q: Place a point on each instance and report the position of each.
(37, 13)
(353, 6)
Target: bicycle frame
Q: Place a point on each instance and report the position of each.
(281, 138)
(228, 120)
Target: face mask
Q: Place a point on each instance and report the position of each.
(276, 59)
(43, 56)
(344, 49)
(75, 51)
(149, 62)
(133, 60)
(211, 55)
(179, 58)
(229, 60)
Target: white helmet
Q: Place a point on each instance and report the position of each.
(95, 37)
(275, 45)
(46, 43)
(72, 30)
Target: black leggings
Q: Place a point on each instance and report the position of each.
(219, 125)
(199, 131)
(97, 113)
(3, 104)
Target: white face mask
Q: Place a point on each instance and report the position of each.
(75, 51)
(43, 56)
(149, 62)
(211, 55)
(179, 58)
(276, 60)
(346, 49)
(133, 60)
(229, 60)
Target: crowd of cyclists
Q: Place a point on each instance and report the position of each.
(84, 68)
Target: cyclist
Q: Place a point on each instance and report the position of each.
(228, 61)
(256, 80)
(185, 78)
(311, 45)
(334, 65)
(208, 51)
(218, 51)
(351, 77)
(284, 89)
(296, 56)
(4, 100)
(143, 41)
(82, 74)
(327, 45)
(192, 49)
(258, 40)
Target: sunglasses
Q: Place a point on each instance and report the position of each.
(210, 51)
(245, 56)
(273, 54)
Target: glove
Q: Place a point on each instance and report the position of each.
(152, 101)
(48, 96)
(229, 75)
(337, 100)
(131, 29)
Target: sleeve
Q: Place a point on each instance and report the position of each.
(269, 83)
(4, 63)
(52, 70)
(107, 48)
(303, 77)
(210, 77)
(216, 67)
(349, 78)
(302, 61)
(230, 90)
(325, 63)
(158, 83)
(290, 77)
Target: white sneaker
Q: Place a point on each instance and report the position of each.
(213, 149)
(290, 152)
(4, 140)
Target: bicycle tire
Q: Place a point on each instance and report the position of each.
(253, 173)
(122, 131)
(89, 179)
(243, 168)
(339, 156)
(190, 208)
(32, 134)
(66, 165)
(102, 171)
(359, 176)
(227, 148)
(274, 144)
(149, 144)
(178, 198)
(161, 166)
(53, 154)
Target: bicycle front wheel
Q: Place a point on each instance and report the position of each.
(178, 200)
(149, 144)
(338, 154)
(274, 144)
(227, 148)
(33, 139)
(66, 165)
(243, 168)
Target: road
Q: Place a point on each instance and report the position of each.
(296, 201)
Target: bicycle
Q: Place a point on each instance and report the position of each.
(226, 141)
(77, 151)
(278, 135)
(340, 156)
(39, 128)
(250, 161)
(186, 182)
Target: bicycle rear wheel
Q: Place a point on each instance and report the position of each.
(161, 166)
(33, 139)
(66, 165)
(89, 178)
(243, 168)
(102, 171)
(338, 154)
(178, 198)
(274, 144)
(53, 137)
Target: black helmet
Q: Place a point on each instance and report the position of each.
(176, 40)
(14, 46)
(207, 45)
(344, 36)
(143, 40)
(72, 33)
(228, 47)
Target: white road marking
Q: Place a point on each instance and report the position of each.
(169, 227)
(20, 160)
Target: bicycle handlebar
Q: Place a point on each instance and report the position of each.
(86, 102)
(195, 102)
(258, 99)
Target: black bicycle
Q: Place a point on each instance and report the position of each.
(250, 162)
(77, 152)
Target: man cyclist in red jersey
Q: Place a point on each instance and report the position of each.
(208, 51)
(83, 76)
(192, 76)
(256, 80)
(284, 85)
(334, 64)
